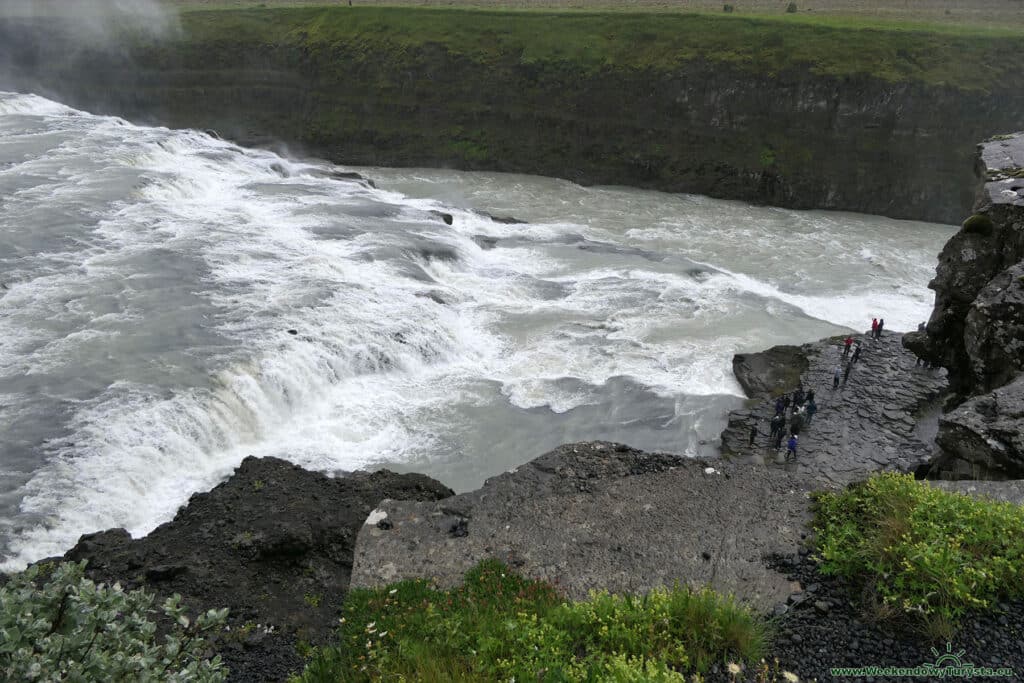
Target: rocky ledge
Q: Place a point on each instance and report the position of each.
(597, 515)
(882, 416)
(273, 544)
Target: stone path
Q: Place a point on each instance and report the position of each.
(882, 418)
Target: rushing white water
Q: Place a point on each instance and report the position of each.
(151, 278)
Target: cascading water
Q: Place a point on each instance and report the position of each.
(152, 280)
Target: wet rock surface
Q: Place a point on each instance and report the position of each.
(881, 418)
(598, 515)
(273, 543)
(1006, 491)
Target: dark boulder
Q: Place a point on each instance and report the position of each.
(770, 373)
(273, 543)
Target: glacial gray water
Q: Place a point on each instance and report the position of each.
(151, 277)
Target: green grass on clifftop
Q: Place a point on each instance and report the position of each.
(967, 58)
(499, 626)
(925, 556)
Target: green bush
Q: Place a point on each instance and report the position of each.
(927, 556)
(979, 223)
(791, 8)
(69, 628)
(500, 626)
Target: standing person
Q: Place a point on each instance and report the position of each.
(881, 324)
(780, 406)
(812, 408)
(753, 432)
(786, 400)
(778, 437)
(874, 327)
(776, 425)
(837, 371)
(797, 423)
(846, 346)
(810, 395)
(856, 354)
(791, 447)
(846, 373)
(798, 397)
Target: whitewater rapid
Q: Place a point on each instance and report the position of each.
(172, 302)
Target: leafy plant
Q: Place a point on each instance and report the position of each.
(501, 626)
(70, 628)
(926, 555)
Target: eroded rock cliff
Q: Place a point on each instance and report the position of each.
(976, 330)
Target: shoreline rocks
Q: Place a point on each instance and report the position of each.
(880, 418)
(273, 543)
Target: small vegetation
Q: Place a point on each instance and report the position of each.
(55, 624)
(924, 555)
(979, 223)
(956, 55)
(791, 8)
(500, 626)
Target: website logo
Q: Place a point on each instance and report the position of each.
(947, 664)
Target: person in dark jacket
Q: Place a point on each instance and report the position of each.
(837, 372)
(812, 408)
(881, 324)
(846, 373)
(810, 395)
(797, 423)
(786, 400)
(778, 437)
(856, 354)
(780, 406)
(798, 397)
(791, 447)
(776, 425)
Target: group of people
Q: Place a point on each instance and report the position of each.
(800, 407)
(803, 405)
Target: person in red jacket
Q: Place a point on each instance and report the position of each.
(874, 327)
(846, 349)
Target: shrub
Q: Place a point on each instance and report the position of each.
(979, 223)
(727, 8)
(73, 629)
(928, 555)
(791, 8)
(501, 626)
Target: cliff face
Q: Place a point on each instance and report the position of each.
(976, 330)
(788, 136)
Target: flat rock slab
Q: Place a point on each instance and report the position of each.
(870, 423)
(1006, 491)
(598, 515)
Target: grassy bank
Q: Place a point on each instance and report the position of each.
(979, 13)
(959, 56)
(924, 556)
(500, 626)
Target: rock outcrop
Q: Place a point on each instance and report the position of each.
(882, 417)
(770, 373)
(602, 516)
(273, 543)
(976, 329)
